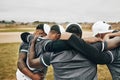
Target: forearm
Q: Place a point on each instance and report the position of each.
(111, 35)
(92, 40)
(113, 43)
(90, 52)
(33, 62)
(114, 34)
(27, 72)
(32, 52)
(24, 69)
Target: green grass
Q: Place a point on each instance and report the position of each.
(16, 29)
(8, 61)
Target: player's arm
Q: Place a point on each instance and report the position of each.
(23, 67)
(60, 45)
(33, 62)
(56, 46)
(93, 52)
(113, 43)
(111, 35)
(92, 40)
(75, 43)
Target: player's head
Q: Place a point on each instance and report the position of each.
(24, 36)
(74, 28)
(55, 32)
(100, 29)
(42, 30)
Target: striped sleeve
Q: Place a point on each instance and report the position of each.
(45, 59)
(24, 48)
(111, 54)
(100, 46)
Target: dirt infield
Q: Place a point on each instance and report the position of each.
(10, 37)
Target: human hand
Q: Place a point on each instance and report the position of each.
(35, 38)
(37, 77)
(106, 37)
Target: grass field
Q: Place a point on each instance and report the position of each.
(8, 61)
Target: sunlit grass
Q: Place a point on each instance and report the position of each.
(8, 59)
(8, 64)
(103, 73)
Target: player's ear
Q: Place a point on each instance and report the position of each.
(58, 36)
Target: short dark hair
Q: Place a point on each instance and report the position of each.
(40, 26)
(74, 28)
(24, 36)
(55, 28)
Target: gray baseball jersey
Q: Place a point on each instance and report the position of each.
(24, 48)
(71, 65)
(68, 65)
(114, 67)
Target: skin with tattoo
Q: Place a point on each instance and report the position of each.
(22, 66)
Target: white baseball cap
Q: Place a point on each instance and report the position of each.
(46, 28)
(101, 27)
(62, 30)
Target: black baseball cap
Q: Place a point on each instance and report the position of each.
(40, 26)
(74, 28)
(58, 28)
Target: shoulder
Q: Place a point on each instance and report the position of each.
(42, 41)
(24, 47)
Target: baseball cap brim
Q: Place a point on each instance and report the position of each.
(103, 32)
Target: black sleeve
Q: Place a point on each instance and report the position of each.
(90, 52)
(100, 46)
(56, 46)
(107, 55)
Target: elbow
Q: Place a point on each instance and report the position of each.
(19, 63)
(31, 64)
